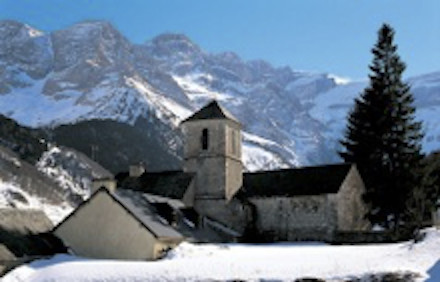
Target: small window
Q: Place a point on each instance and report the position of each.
(205, 139)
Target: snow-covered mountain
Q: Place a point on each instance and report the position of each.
(90, 71)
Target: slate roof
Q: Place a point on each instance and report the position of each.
(212, 111)
(170, 184)
(25, 233)
(294, 182)
(22, 221)
(141, 209)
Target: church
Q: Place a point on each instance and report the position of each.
(212, 199)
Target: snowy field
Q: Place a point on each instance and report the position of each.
(280, 262)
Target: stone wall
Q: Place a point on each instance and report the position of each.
(210, 179)
(234, 178)
(296, 218)
(218, 167)
(350, 205)
(232, 214)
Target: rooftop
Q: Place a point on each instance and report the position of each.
(305, 181)
(170, 184)
(212, 111)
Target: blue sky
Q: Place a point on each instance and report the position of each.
(332, 36)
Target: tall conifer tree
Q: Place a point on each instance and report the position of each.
(382, 136)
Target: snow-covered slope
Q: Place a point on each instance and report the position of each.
(13, 196)
(71, 170)
(90, 71)
(239, 262)
(22, 186)
(60, 180)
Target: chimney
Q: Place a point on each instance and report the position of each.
(137, 170)
(108, 183)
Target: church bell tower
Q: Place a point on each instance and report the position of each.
(212, 151)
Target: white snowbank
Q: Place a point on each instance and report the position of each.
(190, 262)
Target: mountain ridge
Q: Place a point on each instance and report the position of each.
(90, 71)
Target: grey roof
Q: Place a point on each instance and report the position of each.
(136, 203)
(25, 233)
(212, 111)
(170, 184)
(27, 221)
(295, 182)
(175, 203)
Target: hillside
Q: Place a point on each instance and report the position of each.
(35, 175)
(28, 143)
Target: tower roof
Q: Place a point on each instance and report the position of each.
(212, 111)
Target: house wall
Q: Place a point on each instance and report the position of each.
(101, 228)
(350, 205)
(296, 218)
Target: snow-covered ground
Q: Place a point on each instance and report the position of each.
(280, 262)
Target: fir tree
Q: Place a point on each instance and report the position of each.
(382, 136)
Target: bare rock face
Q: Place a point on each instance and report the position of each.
(96, 43)
(24, 55)
(85, 54)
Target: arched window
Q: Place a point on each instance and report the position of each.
(205, 139)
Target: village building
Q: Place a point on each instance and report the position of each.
(117, 226)
(142, 213)
(24, 236)
(312, 203)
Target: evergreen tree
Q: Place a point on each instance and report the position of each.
(382, 136)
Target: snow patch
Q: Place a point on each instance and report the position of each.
(256, 157)
(339, 80)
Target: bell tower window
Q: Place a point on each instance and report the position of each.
(205, 139)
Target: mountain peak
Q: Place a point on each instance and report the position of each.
(172, 37)
(173, 42)
(85, 29)
(11, 28)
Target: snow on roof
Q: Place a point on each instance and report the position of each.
(139, 207)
